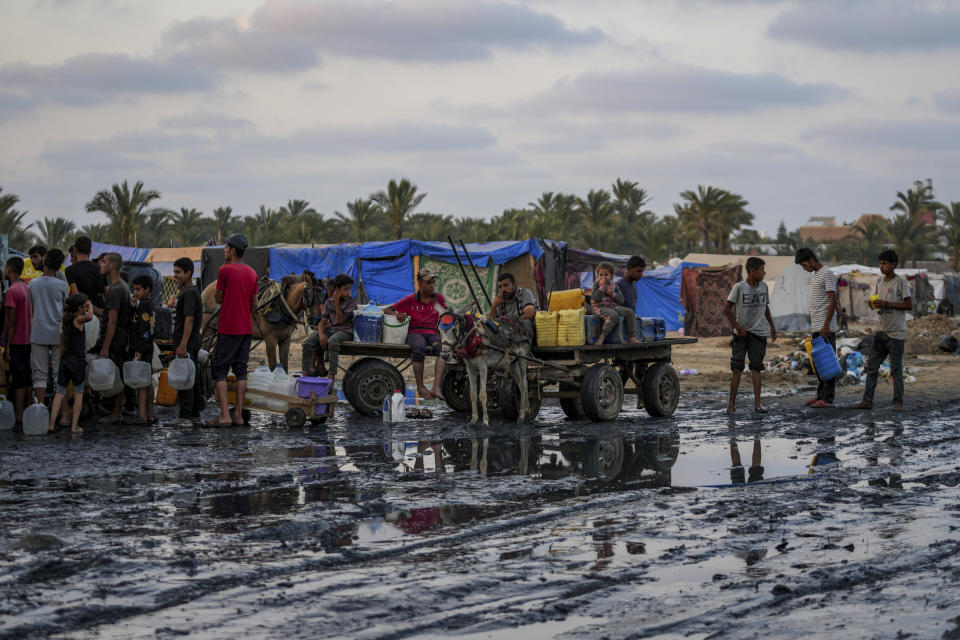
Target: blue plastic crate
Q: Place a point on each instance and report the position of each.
(593, 324)
(651, 329)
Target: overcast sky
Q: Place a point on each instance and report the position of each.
(805, 108)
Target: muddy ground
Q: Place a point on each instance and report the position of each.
(844, 525)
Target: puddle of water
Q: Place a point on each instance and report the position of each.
(536, 631)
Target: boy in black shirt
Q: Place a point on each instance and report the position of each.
(141, 340)
(186, 337)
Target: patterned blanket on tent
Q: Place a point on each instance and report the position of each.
(453, 286)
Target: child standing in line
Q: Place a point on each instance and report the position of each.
(752, 326)
(77, 311)
(141, 341)
(607, 301)
(186, 336)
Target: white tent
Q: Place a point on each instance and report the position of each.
(790, 299)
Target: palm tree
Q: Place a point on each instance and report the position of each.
(654, 238)
(471, 229)
(126, 210)
(304, 221)
(188, 227)
(11, 221)
(362, 222)
(510, 225)
(222, 222)
(868, 240)
(911, 203)
(101, 232)
(56, 232)
(265, 227)
(630, 200)
(398, 202)
(598, 222)
(911, 238)
(712, 214)
(430, 226)
(950, 232)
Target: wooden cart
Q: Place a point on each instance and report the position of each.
(589, 381)
(298, 411)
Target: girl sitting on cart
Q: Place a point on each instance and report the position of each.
(607, 301)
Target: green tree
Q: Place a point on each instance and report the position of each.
(712, 214)
(471, 229)
(510, 225)
(222, 223)
(630, 201)
(55, 233)
(188, 227)
(431, 226)
(97, 232)
(362, 223)
(870, 236)
(655, 238)
(303, 221)
(552, 216)
(911, 238)
(126, 210)
(910, 203)
(11, 222)
(398, 202)
(598, 219)
(265, 227)
(950, 232)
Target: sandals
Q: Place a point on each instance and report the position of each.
(820, 404)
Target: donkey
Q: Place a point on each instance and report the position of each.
(275, 315)
(471, 340)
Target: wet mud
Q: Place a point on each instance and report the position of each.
(795, 523)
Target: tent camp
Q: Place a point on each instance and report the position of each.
(659, 293)
(162, 258)
(384, 272)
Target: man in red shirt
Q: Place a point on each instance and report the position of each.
(16, 335)
(236, 292)
(424, 308)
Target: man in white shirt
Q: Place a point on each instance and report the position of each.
(823, 317)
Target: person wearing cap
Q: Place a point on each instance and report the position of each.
(236, 292)
(423, 307)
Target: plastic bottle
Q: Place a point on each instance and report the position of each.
(36, 420)
(282, 384)
(102, 374)
(385, 411)
(397, 413)
(182, 374)
(259, 380)
(7, 414)
(137, 374)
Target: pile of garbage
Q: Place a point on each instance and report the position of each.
(933, 334)
(853, 362)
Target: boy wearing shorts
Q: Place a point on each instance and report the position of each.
(752, 325)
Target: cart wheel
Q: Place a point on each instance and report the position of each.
(603, 458)
(601, 393)
(572, 407)
(661, 390)
(296, 417)
(370, 382)
(510, 400)
(454, 388)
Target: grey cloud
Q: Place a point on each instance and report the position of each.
(676, 88)
(947, 101)
(12, 105)
(912, 135)
(399, 137)
(290, 35)
(204, 120)
(97, 77)
(873, 26)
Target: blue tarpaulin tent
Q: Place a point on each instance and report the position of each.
(386, 268)
(129, 254)
(658, 294)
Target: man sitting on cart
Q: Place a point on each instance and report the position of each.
(516, 305)
(336, 321)
(423, 307)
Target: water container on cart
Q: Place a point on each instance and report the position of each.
(36, 420)
(258, 380)
(137, 374)
(182, 374)
(320, 387)
(7, 415)
(394, 331)
(368, 324)
(546, 322)
(650, 329)
(282, 384)
(570, 328)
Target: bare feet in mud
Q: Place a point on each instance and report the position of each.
(633, 340)
(760, 408)
(425, 394)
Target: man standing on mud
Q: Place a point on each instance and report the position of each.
(823, 317)
(892, 301)
(236, 292)
(116, 319)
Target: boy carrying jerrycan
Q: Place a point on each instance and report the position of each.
(752, 325)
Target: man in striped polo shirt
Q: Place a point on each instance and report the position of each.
(823, 317)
